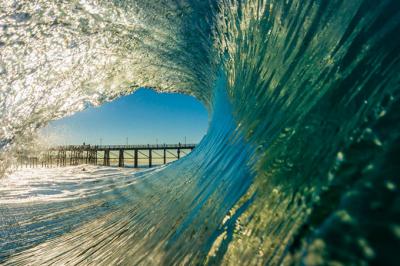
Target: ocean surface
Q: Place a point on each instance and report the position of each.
(300, 164)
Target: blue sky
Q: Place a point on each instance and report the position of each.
(144, 117)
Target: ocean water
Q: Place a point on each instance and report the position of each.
(300, 164)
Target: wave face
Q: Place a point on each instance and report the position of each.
(300, 162)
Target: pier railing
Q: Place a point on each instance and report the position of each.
(108, 155)
(125, 147)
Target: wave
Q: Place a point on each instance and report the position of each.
(299, 163)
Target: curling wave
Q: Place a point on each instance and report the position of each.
(299, 165)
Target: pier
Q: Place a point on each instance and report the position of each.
(107, 155)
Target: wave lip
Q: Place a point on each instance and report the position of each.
(301, 143)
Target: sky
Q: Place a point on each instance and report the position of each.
(144, 117)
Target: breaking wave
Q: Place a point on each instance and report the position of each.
(300, 162)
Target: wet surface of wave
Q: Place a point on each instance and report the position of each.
(300, 162)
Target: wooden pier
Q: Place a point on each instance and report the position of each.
(107, 155)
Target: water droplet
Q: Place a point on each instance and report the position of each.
(382, 113)
(340, 156)
(390, 185)
(344, 216)
(21, 17)
(367, 250)
(331, 176)
(396, 230)
(2, 70)
(377, 142)
(368, 168)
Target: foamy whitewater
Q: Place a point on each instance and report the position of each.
(300, 165)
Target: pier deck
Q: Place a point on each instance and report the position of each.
(107, 154)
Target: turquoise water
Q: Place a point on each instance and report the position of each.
(300, 162)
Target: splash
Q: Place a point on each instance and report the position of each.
(299, 165)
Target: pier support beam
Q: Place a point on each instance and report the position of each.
(136, 159)
(94, 157)
(121, 158)
(150, 158)
(106, 157)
